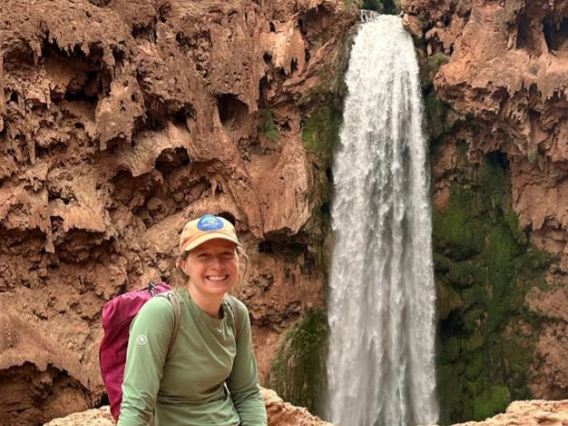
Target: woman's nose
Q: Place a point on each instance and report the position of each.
(218, 261)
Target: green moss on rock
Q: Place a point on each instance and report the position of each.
(485, 262)
(391, 7)
(435, 114)
(518, 353)
(475, 341)
(493, 400)
(431, 68)
(466, 274)
(455, 231)
(450, 351)
(474, 368)
(320, 130)
(450, 389)
(298, 373)
(268, 126)
(447, 299)
(440, 116)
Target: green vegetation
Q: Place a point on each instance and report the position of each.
(484, 267)
(518, 353)
(391, 7)
(320, 131)
(431, 68)
(376, 5)
(435, 114)
(297, 374)
(348, 4)
(438, 116)
(268, 126)
(491, 401)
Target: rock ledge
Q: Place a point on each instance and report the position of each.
(280, 413)
(529, 413)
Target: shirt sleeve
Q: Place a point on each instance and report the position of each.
(243, 380)
(150, 335)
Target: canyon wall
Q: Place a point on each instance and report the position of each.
(120, 119)
(495, 79)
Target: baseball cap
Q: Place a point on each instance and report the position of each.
(206, 228)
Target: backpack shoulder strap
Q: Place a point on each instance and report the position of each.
(232, 301)
(171, 296)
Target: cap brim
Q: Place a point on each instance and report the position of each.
(208, 237)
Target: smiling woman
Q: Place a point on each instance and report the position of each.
(213, 268)
(210, 377)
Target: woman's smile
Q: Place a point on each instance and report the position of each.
(217, 277)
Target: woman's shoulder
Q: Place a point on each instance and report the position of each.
(237, 304)
(158, 306)
(239, 311)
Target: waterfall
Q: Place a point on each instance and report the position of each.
(381, 359)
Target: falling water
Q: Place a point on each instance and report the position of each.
(380, 366)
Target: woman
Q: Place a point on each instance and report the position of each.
(211, 377)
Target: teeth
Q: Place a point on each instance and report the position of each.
(217, 278)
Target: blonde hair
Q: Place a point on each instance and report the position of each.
(178, 278)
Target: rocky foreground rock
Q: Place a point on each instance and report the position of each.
(280, 413)
(529, 413)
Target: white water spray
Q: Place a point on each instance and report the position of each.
(381, 361)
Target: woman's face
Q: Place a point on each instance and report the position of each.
(212, 267)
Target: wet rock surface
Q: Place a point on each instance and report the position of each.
(498, 72)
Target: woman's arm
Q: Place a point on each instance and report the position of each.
(150, 335)
(243, 380)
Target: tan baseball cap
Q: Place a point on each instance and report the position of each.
(206, 228)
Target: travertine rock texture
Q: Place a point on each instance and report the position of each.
(280, 413)
(529, 413)
(503, 81)
(119, 119)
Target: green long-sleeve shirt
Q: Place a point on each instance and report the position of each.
(188, 389)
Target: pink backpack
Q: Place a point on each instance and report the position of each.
(117, 315)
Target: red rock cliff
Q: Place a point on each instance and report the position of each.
(503, 81)
(118, 120)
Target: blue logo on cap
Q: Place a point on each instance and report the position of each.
(210, 223)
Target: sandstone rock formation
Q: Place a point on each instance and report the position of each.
(529, 413)
(519, 413)
(280, 413)
(118, 120)
(502, 83)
